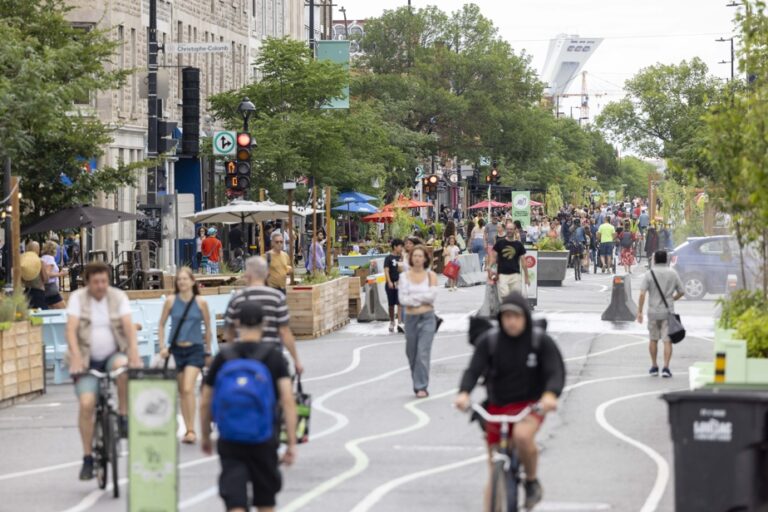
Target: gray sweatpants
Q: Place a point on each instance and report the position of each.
(419, 333)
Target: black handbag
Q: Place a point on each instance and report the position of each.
(675, 329)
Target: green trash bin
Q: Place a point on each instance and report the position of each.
(721, 449)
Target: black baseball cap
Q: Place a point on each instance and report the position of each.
(250, 314)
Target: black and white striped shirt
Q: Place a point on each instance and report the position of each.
(273, 304)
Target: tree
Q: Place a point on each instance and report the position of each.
(46, 66)
(661, 114)
(295, 137)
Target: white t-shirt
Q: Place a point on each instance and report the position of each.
(452, 252)
(103, 342)
(49, 260)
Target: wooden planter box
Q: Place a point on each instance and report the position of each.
(21, 362)
(318, 309)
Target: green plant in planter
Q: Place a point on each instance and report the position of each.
(739, 303)
(439, 230)
(402, 224)
(421, 228)
(752, 326)
(550, 244)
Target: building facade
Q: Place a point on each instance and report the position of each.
(241, 24)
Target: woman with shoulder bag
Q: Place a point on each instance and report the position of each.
(417, 292)
(189, 347)
(52, 295)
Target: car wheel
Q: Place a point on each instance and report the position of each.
(695, 289)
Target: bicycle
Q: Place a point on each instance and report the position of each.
(576, 262)
(106, 434)
(506, 478)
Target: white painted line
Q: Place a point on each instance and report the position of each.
(46, 469)
(341, 420)
(199, 498)
(379, 492)
(556, 506)
(38, 406)
(614, 349)
(355, 361)
(361, 459)
(662, 467)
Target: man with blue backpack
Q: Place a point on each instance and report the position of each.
(246, 387)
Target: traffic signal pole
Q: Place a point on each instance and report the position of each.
(152, 102)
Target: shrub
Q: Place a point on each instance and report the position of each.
(550, 244)
(738, 303)
(752, 326)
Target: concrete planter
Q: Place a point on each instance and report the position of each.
(318, 309)
(552, 267)
(21, 362)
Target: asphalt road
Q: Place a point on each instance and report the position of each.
(376, 448)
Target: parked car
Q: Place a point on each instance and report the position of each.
(704, 264)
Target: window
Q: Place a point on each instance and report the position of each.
(134, 75)
(714, 247)
(84, 98)
(121, 64)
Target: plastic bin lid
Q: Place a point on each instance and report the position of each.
(719, 394)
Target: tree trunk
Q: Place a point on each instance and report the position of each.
(740, 241)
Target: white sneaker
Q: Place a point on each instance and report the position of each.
(391, 326)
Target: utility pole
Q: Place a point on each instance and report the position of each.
(152, 177)
(9, 256)
(312, 26)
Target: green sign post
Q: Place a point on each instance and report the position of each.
(153, 455)
(521, 208)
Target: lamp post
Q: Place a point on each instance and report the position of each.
(343, 10)
(246, 109)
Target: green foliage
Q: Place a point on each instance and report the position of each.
(752, 326)
(550, 244)
(737, 304)
(47, 68)
(402, 224)
(13, 308)
(553, 200)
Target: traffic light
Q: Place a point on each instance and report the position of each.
(429, 184)
(232, 180)
(244, 160)
(190, 111)
(165, 140)
(495, 175)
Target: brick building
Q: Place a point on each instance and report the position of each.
(242, 24)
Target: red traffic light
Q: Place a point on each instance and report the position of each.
(495, 173)
(433, 180)
(244, 140)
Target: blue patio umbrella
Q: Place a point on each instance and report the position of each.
(355, 197)
(355, 207)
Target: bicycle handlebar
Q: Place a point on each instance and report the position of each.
(502, 418)
(112, 375)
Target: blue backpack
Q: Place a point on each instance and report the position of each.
(244, 402)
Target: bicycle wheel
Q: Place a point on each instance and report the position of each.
(503, 489)
(99, 451)
(113, 441)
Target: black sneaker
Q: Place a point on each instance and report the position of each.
(533, 493)
(654, 371)
(86, 472)
(666, 373)
(122, 426)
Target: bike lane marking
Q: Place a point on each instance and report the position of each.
(662, 466)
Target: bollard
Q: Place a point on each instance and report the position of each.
(373, 310)
(622, 308)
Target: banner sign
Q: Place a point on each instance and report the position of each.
(338, 52)
(521, 208)
(153, 456)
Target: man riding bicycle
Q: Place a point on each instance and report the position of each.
(522, 366)
(100, 332)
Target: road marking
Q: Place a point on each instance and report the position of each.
(662, 467)
(352, 365)
(19, 474)
(341, 420)
(38, 406)
(91, 499)
(199, 498)
(361, 459)
(379, 492)
(614, 349)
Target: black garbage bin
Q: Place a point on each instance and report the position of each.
(721, 449)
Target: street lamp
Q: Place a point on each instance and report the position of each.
(343, 10)
(246, 108)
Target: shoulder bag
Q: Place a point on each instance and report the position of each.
(675, 329)
(175, 335)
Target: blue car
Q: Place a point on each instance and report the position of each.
(705, 263)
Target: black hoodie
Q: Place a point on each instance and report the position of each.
(516, 372)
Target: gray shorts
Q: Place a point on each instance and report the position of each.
(658, 330)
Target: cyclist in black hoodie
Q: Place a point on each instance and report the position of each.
(522, 366)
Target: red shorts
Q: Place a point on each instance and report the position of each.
(493, 430)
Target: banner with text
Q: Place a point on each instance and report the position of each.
(337, 52)
(153, 457)
(521, 208)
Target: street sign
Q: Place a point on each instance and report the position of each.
(419, 172)
(153, 457)
(521, 208)
(485, 161)
(224, 143)
(192, 48)
(612, 196)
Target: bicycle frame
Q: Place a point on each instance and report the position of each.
(106, 434)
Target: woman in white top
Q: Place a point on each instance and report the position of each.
(478, 240)
(52, 296)
(451, 254)
(417, 292)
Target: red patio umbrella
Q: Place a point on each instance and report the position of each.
(488, 204)
(405, 202)
(383, 216)
(536, 203)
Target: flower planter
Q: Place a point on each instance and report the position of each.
(21, 361)
(318, 309)
(552, 267)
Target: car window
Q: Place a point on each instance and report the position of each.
(713, 247)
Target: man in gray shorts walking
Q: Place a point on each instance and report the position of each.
(671, 286)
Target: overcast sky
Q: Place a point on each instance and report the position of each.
(637, 33)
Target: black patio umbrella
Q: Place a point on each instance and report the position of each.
(78, 217)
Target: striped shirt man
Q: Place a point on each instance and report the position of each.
(273, 304)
